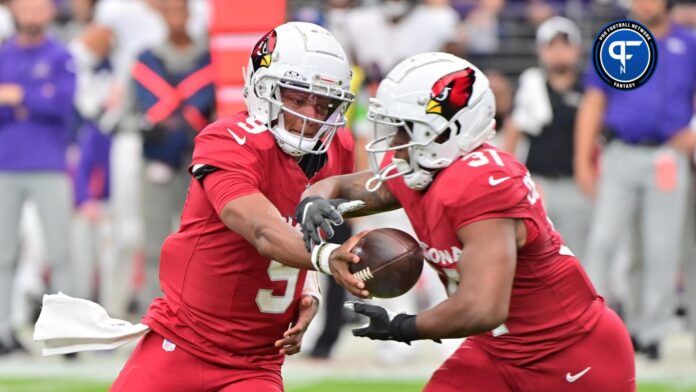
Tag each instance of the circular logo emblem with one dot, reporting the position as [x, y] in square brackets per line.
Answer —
[625, 54]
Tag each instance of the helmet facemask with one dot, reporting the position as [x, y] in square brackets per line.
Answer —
[393, 134]
[286, 99]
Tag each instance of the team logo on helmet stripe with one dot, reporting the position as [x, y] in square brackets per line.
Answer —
[451, 93]
[261, 55]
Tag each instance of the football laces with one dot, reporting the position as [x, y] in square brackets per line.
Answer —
[364, 274]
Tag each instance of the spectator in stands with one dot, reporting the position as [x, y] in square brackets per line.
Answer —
[546, 103]
[92, 244]
[537, 11]
[119, 32]
[481, 30]
[174, 97]
[644, 169]
[76, 18]
[381, 36]
[336, 18]
[684, 13]
[37, 84]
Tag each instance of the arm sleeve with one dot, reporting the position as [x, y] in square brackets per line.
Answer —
[53, 100]
[478, 200]
[239, 171]
[223, 186]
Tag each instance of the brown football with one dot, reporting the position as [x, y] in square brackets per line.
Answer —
[391, 261]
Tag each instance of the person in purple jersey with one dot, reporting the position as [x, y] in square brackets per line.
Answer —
[644, 171]
[37, 84]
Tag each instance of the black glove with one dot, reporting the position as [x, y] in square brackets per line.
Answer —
[384, 324]
[315, 212]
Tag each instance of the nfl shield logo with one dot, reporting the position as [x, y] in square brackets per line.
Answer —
[168, 345]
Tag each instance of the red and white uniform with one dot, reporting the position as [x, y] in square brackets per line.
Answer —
[553, 305]
[223, 302]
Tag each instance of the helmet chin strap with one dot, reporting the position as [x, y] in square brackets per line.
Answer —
[416, 179]
[383, 174]
[373, 183]
[419, 179]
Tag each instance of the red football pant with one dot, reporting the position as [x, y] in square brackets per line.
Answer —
[602, 361]
[151, 368]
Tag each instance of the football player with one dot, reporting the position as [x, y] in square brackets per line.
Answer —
[234, 275]
[534, 320]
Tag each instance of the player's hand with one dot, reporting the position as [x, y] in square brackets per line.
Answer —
[385, 324]
[92, 211]
[291, 343]
[586, 178]
[380, 320]
[340, 259]
[314, 213]
[684, 141]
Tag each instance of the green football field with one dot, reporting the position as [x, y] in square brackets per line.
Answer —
[70, 385]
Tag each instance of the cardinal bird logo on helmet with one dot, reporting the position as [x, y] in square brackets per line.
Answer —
[451, 93]
[261, 55]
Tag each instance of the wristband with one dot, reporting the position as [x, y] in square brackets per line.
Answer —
[320, 256]
[403, 328]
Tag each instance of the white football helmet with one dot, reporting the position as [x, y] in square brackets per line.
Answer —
[301, 57]
[436, 105]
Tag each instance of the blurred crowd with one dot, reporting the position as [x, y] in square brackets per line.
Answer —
[100, 101]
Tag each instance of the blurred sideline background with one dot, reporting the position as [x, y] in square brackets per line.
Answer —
[125, 163]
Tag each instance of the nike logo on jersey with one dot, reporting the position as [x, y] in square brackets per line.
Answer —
[497, 181]
[573, 378]
[240, 140]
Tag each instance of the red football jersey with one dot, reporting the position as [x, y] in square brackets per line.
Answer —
[223, 301]
[553, 303]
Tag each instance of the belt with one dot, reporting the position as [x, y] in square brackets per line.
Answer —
[611, 136]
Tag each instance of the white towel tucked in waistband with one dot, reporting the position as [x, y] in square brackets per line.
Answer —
[68, 325]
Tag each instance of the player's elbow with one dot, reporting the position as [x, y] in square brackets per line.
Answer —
[484, 317]
[263, 241]
[492, 318]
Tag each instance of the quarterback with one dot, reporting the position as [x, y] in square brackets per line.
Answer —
[235, 274]
[534, 320]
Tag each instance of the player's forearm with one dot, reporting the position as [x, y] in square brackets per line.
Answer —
[452, 319]
[511, 136]
[352, 187]
[261, 224]
[588, 125]
[281, 242]
[328, 188]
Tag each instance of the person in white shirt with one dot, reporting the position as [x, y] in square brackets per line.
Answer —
[382, 35]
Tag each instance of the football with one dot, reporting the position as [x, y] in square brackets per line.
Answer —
[391, 261]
